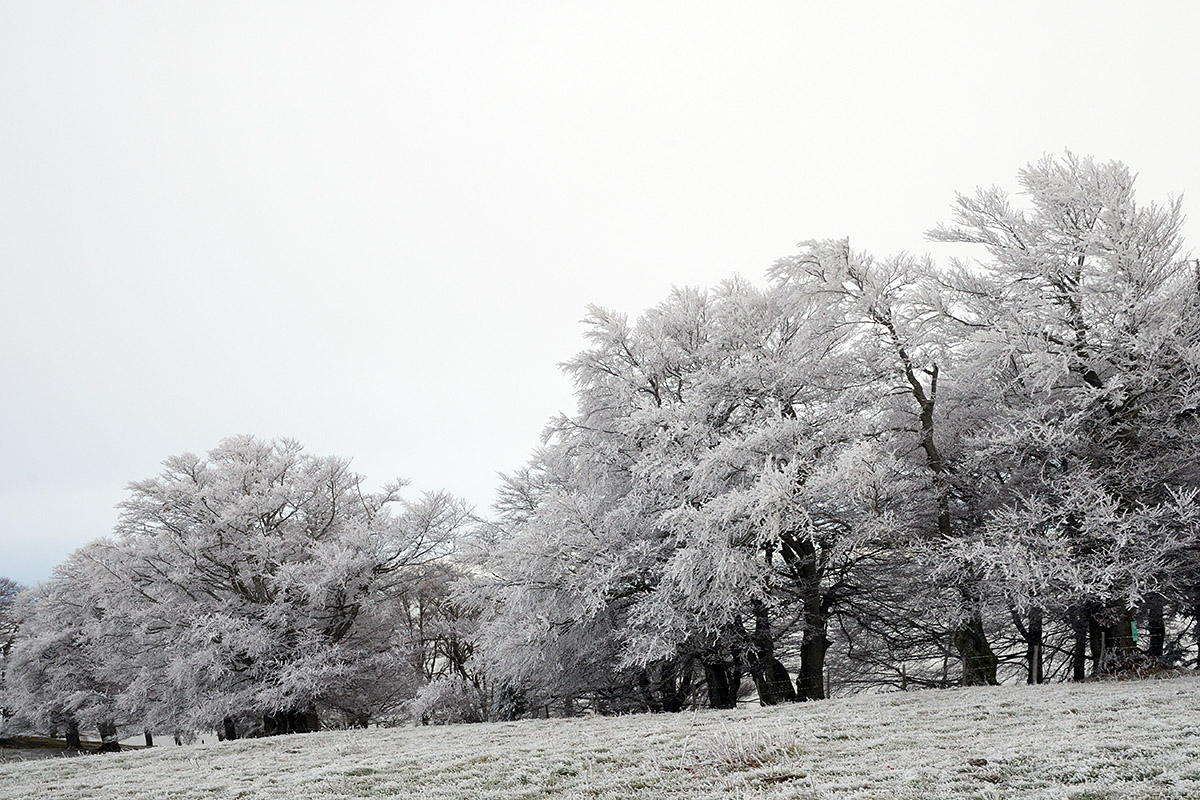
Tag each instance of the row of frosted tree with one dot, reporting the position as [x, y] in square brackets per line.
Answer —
[866, 473]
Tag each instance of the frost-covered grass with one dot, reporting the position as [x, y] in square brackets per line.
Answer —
[1088, 742]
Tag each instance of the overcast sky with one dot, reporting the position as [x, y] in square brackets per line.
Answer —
[374, 228]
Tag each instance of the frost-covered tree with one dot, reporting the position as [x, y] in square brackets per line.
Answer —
[75, 653]
[252, 587]
[1083, 319]
[9, 589]
[555, 578]
[9, 624]
[893, 313]
[264, 562]
[716, 495]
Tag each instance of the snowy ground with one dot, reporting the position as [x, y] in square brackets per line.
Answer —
[1090, 742]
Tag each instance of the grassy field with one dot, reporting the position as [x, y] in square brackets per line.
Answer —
[1137, 739]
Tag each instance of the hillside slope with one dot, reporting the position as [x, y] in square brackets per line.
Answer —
[1082, 742]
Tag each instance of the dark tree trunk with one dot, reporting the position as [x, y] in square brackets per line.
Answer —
[1112, 644]
[149, 738]
[724, 682]
[1120, 648]
[73, 742]
[511, 704]
[1033, 647]
[771, 678]
[1079, 623]
[108, 738]
[978, 661]
[810, 682]
[230, 729]
[675, 684]
[1156, 627]
[804, 560]
[1032, 635]
[1196, 616]
[777, 682]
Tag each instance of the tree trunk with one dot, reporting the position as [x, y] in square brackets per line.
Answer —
[777, 683]
[149, 738]
[1033, 647]
[1196, 616]
[73, 742]
[810, 682]
[978, 661]
[230, 729]
[771, 678]
[1120, 650]
[724, 682]
[1079, 623]
[108, 738]
[1098, 644]
[675, 685]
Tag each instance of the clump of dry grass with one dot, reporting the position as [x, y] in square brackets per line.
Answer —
[741, 747]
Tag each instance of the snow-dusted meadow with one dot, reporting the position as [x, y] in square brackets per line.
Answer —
[1076, 742]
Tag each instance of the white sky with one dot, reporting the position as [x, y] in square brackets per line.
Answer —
[374, 227]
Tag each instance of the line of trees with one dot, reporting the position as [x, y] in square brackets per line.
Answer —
[868, 472]
[937, 475]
